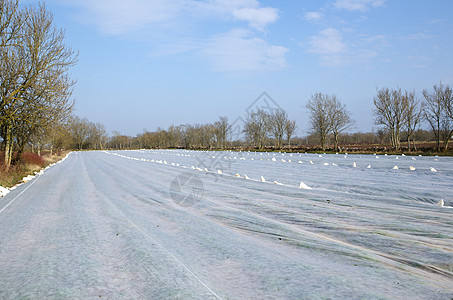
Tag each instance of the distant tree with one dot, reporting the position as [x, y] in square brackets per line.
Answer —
[119, 141]
[425, 135]
[339, 118]
[221, 131]
[382, 135]
[174, 136]
[290, 128]
[80, 131]
[204, 136]
[256, 127]
[277, 122]
[59, 137]
[414, 116]
[187, 135]
[101, 136]
[437, 111]
[320, 122]
[162, 138]
[391, 111]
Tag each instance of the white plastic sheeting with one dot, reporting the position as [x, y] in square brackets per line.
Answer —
[105, 224]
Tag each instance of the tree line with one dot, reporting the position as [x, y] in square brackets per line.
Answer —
[399, 116]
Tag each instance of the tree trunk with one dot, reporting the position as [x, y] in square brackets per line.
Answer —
[9, 145]
[335, 138]
[397, 141]
[323, 142]
[392, 139]
[445, 145]
[438, 136]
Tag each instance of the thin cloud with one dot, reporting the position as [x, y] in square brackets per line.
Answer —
[169, 27]
[238, 51]
[358, 5]
[312, 16]
[436, 21]
[329, 45]
[419, 36]
[117, 17]
[328, 41]
[258, 18]
[334, 50]
[250, 11]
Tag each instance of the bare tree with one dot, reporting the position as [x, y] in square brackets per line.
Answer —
[221, 131]
[187, 135]
[101, 136]
[207, 136]
[413, 116]
[391, 111]
[436, 109]
[448, 102]
[290, 127]
[11, 22]
[320, 122]
[35, 88]
[256, 127]
[119, 141]
[80, 131]
[277, 121]
[340, 119]
[174, 136]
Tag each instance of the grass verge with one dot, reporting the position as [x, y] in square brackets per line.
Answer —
[28, 164]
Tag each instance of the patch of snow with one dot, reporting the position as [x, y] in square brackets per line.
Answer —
[4, 191]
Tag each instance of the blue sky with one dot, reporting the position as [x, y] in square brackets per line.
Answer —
[145, 64]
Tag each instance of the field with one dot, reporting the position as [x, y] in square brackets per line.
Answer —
[230, 225]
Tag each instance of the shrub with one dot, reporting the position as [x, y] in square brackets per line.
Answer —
[32, 159]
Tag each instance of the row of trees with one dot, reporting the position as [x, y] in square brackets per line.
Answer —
[81, 134]
[260, 128]
[400, 111]
[206, 136]
[75, 133]
[329, 120]
[35, 88]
